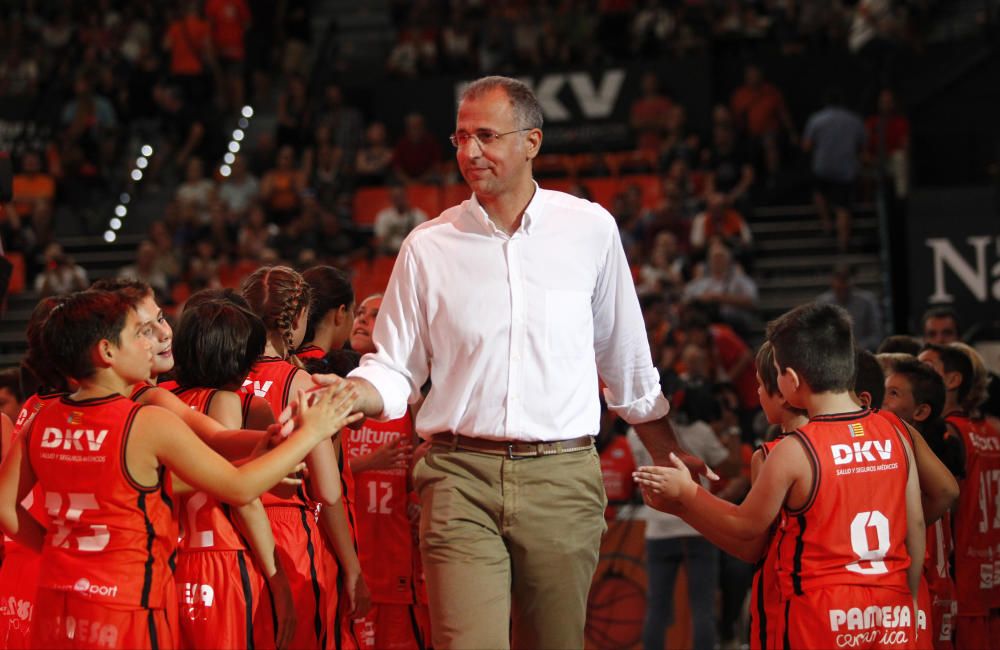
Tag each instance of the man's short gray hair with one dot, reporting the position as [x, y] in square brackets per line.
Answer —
[527, 110]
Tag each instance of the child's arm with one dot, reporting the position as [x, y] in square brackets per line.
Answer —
[225, 408]
[230, 443]
[938, 487]
[255, 526]
[16, 480]
[916, 533]
[665, 488]
[159, 437]
[324, 471]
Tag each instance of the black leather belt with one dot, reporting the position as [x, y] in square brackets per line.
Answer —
[512, 449]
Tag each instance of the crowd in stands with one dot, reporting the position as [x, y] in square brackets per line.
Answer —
[471, 37]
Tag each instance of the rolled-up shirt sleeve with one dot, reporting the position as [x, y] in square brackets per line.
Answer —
[399, 366]
[624, 363]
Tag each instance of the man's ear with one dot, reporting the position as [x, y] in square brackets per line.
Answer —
[534, 144]
[921, 413]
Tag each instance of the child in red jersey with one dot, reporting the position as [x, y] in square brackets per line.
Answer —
[765, 597]
[846, 490]
[976, 520]
[380, 454]
[19, 572]
[225, 553]
[915, 393]
[99, 459]
[280, 296]
[331, 311]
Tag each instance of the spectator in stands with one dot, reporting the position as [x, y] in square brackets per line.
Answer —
[282, 186]
[726, 286]
[718, 221]
[899, 344]
[61, 274]
[887, 145]
[373, 164]
[34, 192]
[648, 115]
[90, 121]
[457, 41]
[335, 245]
[329, 175]
[417, 153]
[145, 269]
[835, 137]
[196, 192]
[11, 394]
[228, 21]
[394, 223]
[295, 119]
[652, 27]
[678, 142]
[940, 326]
[203, 266]
[240, 189]
[192, 59]
[345, 121]
[18, 73]
[255, 235]
[859, 303]
[760, 111]
[183, 127]
[296, 27]
[664, 268]
[167, 261]
[728, 167]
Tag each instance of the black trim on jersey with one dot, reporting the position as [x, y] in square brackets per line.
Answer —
[309, 348]
[841, 417]
[417, 635]
[797, 558]
[139, 392]
[338, 627]
[247, 597]
[313, 578]
[129, 421]
[761, 614]
[147, 578]
[787, 642]
[814, 462]
[90, 401]
[154, 642]
[287, 389]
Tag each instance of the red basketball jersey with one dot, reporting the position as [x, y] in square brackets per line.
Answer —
[852, 530]
[310, 352]
[766, 605]
[977, 519]
[139, 389]
[271, 379]
[617, 466]
[168, 384]
[205, 522]
[380, 501]
[109, 539]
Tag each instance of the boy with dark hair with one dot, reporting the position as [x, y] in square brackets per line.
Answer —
[100, 459]
[977, 517]
[869, 380]
[845, 487]
[915, 394]
[940, 326]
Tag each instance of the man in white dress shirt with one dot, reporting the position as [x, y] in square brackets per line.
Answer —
[512, 304]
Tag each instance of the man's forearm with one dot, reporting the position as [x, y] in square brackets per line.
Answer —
[369, 400]
[659, 439]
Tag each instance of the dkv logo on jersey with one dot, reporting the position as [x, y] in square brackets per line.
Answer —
[259, 388]
[73, 439]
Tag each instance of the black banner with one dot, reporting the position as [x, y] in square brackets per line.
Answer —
[585, 110]
[954, 253]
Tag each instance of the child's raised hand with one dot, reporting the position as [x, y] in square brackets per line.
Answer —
[328, 410]
[665, 488]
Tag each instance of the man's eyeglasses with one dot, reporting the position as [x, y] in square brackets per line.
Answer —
[484, 137]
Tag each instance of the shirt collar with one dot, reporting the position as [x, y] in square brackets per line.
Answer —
[531, 214]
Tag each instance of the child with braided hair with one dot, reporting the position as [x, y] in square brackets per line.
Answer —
[281, 297]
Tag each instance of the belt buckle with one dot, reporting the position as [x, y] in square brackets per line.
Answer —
[512, 455]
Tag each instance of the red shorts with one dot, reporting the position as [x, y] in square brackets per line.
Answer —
[841, 616]
[977, 632]
[62, 619]
[767, 610]
[944, 609]
[18, 580]
[222, 601]
[389, 627]
[300, 549]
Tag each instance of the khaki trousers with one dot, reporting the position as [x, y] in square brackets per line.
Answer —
[509, 547]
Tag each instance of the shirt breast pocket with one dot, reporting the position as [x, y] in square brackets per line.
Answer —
[569, 326]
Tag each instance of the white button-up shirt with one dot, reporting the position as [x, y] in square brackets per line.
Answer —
[514, 330]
